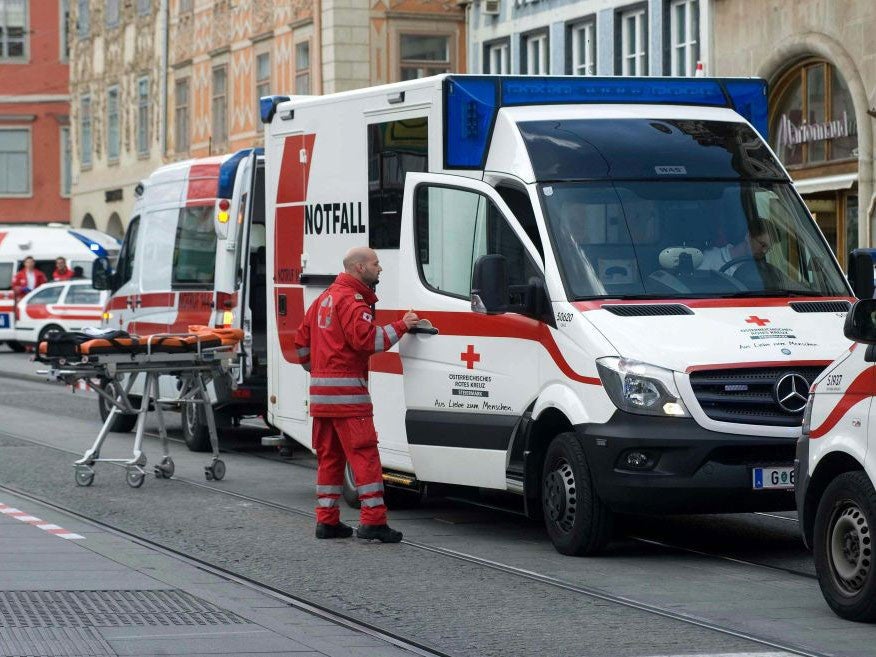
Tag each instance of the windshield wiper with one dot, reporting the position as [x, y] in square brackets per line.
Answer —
[772, 294]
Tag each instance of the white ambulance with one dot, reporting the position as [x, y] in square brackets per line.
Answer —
[193, 253]
[80, 246]
[617, 280]
[836, 500]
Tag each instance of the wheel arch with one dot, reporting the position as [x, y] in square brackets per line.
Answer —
[829, 468]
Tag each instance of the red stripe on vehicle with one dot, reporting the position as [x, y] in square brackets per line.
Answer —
[763, 363]
[862, 387]
[203, 182]
[497, 326]
[287, 325]
[2, 236]
[767, 302]
[387, 362]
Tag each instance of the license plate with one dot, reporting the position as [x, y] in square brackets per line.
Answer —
[771, 478]
[4, 320]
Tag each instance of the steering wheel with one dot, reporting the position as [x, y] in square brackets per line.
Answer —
[750, 270]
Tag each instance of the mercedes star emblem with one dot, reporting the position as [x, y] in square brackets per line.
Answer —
[791, 392]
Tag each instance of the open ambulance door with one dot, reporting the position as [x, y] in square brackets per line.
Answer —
[469, 378]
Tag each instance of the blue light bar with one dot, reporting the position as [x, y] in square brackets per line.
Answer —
[472, 102]
[95, 247]
[268, 106]
[228, 171]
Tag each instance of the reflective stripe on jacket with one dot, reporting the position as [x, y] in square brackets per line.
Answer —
[335, 340]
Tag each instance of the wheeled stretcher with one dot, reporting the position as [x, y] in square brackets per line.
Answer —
[110, 367]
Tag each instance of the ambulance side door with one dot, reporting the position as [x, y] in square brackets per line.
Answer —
[124, 299]
[469, 379]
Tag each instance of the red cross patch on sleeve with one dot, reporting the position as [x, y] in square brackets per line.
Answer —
[367, 317]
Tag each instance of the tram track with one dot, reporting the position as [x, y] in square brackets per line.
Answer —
[505, 568]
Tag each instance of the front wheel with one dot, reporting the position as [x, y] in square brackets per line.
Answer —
[843, 546]
[122, 422]
[577, 521]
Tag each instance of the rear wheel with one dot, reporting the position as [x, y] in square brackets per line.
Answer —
[49, 330]
[122, 422]
[195, 430]
[16, 346]
[577, 521]
[843, 546]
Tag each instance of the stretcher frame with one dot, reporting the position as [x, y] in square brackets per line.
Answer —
[106, 371]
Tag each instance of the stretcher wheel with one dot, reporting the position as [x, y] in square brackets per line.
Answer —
[216, 470]
[165, 469]
[84, 475]
[134, 477]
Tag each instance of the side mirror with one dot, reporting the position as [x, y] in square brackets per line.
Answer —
[862, 272]
[860, 323]
[101, 274]
[489, 285]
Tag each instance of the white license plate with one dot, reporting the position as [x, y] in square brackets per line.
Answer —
[766, 478]
[4, 320]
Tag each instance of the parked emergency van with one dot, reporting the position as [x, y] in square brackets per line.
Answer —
[193, 254]
[80, 247]
[836, 500]
[616, 278]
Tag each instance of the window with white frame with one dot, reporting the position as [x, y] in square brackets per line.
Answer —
[85, 131]
[684, 34]
[63, 32]
[14, 161]
[535, 51]
[584, 48]
[497, 58]
[302, 68]
[112, 124]
[634, 48]
[13, 29]
[112, 13]
[83, 18]
[143, 116]
[219, 107]
[423, 55]
[262, 75]
[66, 162]
[181, 115]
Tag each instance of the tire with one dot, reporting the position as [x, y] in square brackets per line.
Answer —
[47, 331]
[16, 346]
[577, 521]
[843, 546]
[122, 422]
[196, 433]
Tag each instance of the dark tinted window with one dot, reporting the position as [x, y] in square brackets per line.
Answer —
[126, 255]
[394, 149]
[194, 253]
[646, 149]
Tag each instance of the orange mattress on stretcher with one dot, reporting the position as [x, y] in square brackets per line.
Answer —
[200, 337]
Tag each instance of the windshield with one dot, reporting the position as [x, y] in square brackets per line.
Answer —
[687, 238]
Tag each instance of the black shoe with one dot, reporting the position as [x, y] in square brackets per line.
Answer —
[381, 533]
[333, 531]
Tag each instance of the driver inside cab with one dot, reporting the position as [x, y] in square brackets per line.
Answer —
[755, 245]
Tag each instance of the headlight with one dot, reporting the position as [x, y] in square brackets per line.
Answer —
[807, 413]
[640, 388]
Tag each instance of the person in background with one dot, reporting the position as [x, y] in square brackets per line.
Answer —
[78, 272]
[755, 245]
[62, 271]
[334, 342]
[27, 278]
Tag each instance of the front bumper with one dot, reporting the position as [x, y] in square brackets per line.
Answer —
[696, 470]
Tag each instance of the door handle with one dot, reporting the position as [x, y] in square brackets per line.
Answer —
[424, 330]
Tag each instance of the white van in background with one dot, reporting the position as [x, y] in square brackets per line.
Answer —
[79, 246]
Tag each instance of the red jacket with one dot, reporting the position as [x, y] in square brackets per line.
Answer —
[19, 282]
[58, 276]
[334, 342]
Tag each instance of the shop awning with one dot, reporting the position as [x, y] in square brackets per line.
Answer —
[826, 183]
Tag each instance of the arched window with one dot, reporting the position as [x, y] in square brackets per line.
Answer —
[114, 226]
[812, 118]
[88, 221]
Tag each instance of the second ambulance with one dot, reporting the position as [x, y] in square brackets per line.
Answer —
[624, 299]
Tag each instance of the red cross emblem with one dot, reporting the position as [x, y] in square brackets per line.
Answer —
[754, 319]
[324, 314]
[470, 357]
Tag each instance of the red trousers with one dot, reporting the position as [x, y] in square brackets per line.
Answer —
[336, 441]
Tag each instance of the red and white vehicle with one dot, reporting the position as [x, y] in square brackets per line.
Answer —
[80, 246]
[553, 233]
[55, 307]
[193, 253]
[836, 499]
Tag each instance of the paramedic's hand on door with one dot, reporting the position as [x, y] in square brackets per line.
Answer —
[410, 319]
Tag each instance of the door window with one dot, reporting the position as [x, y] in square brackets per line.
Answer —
[45, 297]
[454, 227]
[194, 252]
[126, 255]
[83, 294]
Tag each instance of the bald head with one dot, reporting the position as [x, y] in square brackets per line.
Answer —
[361, 263]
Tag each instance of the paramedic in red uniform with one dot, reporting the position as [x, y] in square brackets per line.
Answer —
[334, 342]
[62, 271]
[27, 278]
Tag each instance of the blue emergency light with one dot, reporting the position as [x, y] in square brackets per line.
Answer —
[472, 102]
[228, 171]
[268, 106]
[95, 247]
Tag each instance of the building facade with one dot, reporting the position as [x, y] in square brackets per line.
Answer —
[211, 60]
[821, 67]
[588, 37]
[35, 176]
